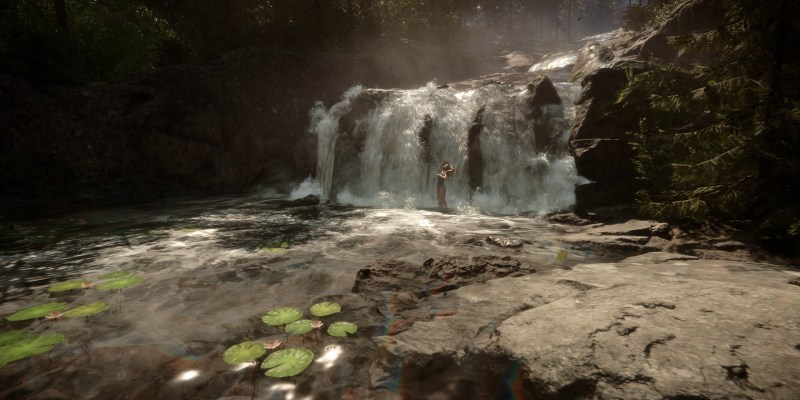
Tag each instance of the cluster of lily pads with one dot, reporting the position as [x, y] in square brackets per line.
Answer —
[18, 344]
[292, 361]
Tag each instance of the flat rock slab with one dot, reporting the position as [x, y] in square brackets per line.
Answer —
[655, 326]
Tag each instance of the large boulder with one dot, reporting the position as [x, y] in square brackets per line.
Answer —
[604, 159]
[599, 138]
[691, 17]
[544, 108]
[654, 326]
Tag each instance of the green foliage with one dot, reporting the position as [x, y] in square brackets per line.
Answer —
[13, 336]
[722, 141]
[36, 311]
[108, 40]
[120, 283]
[282, 316]
[115, 275]
[243, 352]
[639, 17]
[300, 327]
[29, 347]
[324, 309]
[87, 310]
[104, 40]
[65, 286]
[341, 329]
[287, 362]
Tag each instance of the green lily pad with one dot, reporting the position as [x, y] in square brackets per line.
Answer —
[29, 347]
[9, 337]
[115, 275]
[324, 309]
[64, 286]
[341, 329]
[287, 362]
[243, 352]
[36, 311]
[300, 327]
[120, 283]
[87, 310]
[282, 316]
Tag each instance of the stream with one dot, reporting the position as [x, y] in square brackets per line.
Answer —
[211, 267]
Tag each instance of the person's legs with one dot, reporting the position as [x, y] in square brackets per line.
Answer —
[444, 198]
[440, 198]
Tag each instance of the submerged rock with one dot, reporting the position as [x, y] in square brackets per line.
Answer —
[503, 242]
[435, 275]
[310, 200]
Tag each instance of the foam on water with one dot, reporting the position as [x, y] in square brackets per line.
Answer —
[394, 172]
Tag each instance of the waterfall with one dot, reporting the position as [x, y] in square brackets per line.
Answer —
[388, 155]
[325, 124]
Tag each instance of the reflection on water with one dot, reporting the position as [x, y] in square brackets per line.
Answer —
[211, 268]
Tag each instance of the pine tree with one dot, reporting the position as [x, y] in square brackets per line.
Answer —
[722, 141]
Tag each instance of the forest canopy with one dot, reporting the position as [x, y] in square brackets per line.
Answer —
[77, 41]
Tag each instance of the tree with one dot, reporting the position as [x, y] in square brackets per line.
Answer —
[722, 141]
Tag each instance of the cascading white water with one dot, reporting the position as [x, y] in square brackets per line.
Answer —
[325, 124]
[393, 172]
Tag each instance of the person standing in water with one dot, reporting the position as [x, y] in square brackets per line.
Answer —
[441, 192]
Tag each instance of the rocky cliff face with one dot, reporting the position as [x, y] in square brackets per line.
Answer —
[220, 127]
[599, 142]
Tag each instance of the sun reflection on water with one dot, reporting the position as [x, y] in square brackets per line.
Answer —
[332, 353]
[188, 375]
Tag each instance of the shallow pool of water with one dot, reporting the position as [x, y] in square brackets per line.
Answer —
[211, 268]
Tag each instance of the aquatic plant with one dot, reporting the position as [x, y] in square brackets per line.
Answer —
[16, 335]
[120, 282]
[287, 362]
[282, 316]
[291, 361]
[54, 315]
[342, 329]
[36, 311]
[65, 286]
[243, 352]
[29, 347]
[87, 310]
[561, 255]
[300, 327]
[324, 309]
[115, 275]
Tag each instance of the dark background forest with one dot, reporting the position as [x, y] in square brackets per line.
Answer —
[715, 139]
[77, 41]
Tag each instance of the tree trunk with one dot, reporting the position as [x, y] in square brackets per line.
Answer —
[60, 8]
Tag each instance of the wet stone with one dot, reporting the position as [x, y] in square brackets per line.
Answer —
[503, 242]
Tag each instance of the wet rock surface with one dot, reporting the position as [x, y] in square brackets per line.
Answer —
[599, 141]
[435, 275]
[658, 325]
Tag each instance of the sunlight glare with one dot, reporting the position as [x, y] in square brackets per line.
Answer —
[244, 365]
[330, 356]
[284, 387]
[188, 375]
